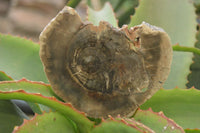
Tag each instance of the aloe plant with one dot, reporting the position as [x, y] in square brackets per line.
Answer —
[172, 109]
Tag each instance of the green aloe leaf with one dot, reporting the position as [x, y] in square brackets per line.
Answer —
[52, 122]
[178, 19]
[10, 114]
[84, 125]
[73, 3]
[194, 76]
[131, 123]
[19, 58]
[181, 105]
[30, 87]
[157, 121]
[114, 127]
[105, 14]
[143, 121]
[149, 121]
[4, 76]
[192, 130]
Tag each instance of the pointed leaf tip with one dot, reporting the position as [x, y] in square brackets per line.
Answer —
[4, 76]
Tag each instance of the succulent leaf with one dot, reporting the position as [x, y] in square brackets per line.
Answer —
[157, 121]
[47, 123]
[10, 116]
[4, 76]
[79, 118]
[181, 105]
[19, 58]
[30, 87]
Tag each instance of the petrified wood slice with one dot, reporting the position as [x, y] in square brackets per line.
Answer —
[103, 70]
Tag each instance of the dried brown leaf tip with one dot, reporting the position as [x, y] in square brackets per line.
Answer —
[103, 70]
